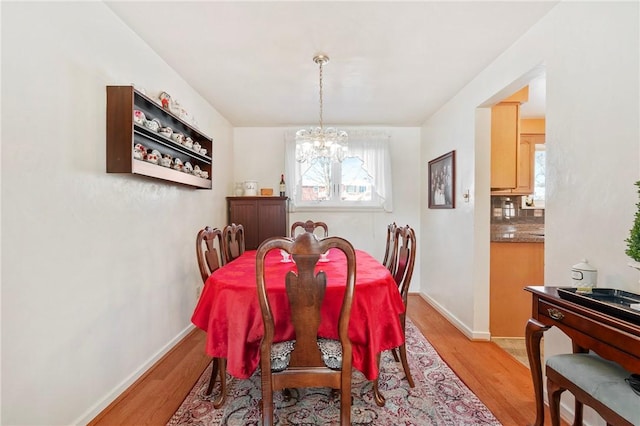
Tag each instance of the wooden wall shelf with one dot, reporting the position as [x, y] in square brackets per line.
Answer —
[123, 134]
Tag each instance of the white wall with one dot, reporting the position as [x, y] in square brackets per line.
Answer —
[591, 54]
[259, 155]
[98, 275]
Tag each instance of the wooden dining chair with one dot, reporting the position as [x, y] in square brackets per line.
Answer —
[309, 226]
[232, 242]
[390, 252]
[403, 271]
[207, 254]
[307, 361]
[208, 262]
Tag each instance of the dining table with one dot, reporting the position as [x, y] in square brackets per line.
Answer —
[229, 312]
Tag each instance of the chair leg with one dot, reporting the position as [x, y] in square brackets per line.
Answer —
[577, 418]
[267, 403]
[286, 394]
[345, 406]
[554, 392]
[214, 373]
[222, 396]
[394, 352]
[405, 364]
[377, 396]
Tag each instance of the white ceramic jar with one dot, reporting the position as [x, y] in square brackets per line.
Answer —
[584, 276]
[250, 188]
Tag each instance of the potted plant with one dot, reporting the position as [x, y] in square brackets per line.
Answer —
[633, 241]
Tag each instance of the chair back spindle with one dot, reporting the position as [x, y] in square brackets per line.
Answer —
[306, 363]
[390, 252]
[233, 242]
[207, 254]
[309, 226]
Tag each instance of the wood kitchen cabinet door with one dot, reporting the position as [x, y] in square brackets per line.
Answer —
[514, 266]
[261, 217]
[505, 137]
[524, 181]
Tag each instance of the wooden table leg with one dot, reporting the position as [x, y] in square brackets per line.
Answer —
[533, 334]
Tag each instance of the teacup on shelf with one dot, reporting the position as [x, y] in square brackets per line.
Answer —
[165, 100]
[196, 147]
[203, 151]
[139, 117]
[153, 124]
[204, 174]
[177, 164]
[178, 137]
[166, 160]
[188, 142]
[188, 168]
[153, 157]
[140, 147]
[166, 132]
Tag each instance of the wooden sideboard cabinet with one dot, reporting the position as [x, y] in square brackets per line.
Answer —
[261, 217]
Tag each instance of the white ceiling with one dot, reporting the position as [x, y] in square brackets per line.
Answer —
[392, 63]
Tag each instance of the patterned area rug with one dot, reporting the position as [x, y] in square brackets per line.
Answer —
[439, 397]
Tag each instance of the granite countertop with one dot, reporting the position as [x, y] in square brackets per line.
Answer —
[517, 232]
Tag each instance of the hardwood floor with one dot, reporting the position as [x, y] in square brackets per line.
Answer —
[155, 396]
[501, 382]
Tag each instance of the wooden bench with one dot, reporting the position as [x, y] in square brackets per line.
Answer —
[593, 381]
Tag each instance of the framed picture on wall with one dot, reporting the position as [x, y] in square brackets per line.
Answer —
[442, 182]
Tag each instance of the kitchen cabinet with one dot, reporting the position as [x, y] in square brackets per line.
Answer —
[514, 266]
[505, 139]
[261, 217]
[526, 163]
[526, 154]
[525, 166]
[124, 133]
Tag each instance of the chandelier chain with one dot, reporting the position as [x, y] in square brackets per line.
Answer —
[317, 143]
[321, 67]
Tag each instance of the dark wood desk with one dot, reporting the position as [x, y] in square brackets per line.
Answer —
[588, 329]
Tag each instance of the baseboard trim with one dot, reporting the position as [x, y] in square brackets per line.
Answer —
[125, 387]
[473, 335]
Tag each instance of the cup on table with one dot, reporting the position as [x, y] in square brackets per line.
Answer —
[324, 257]
[286, 257]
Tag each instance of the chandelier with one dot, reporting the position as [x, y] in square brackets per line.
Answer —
[318, 143]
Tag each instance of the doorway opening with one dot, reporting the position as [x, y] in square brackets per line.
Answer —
[517, 213]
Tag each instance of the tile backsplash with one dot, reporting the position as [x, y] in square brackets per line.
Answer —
[509, 209]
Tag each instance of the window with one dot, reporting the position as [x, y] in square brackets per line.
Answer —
[539, 175]
[362, 180]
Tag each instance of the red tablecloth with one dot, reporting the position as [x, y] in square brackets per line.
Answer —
[229, 312]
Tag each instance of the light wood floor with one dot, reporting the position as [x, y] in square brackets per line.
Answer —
[515, 347]
[501, 382]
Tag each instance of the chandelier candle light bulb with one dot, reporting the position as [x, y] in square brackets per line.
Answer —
[318, 142]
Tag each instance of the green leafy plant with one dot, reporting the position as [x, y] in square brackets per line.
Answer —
[633, 242]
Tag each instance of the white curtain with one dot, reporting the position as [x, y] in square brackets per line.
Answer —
[372, 146]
